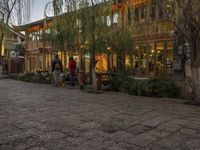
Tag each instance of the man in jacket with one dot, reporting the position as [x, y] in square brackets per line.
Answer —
[72, 69]
[57, 69]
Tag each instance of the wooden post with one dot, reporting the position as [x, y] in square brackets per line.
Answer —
[81, 58]
[65, 63]
[108, 62]
[26, 50]
[84, 71]
[147, 59]
[43, 60]
[155, 59]
[139, 58]
[165, 58]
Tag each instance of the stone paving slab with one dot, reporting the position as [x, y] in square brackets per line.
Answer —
[43, 117]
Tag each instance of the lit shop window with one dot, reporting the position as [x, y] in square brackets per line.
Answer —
[108, 21]
[115, 18]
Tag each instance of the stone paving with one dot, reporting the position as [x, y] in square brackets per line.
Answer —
[42, 117]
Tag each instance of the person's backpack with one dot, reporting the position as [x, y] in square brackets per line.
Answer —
[57, 66]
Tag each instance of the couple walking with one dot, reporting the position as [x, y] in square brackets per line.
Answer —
[57, 69]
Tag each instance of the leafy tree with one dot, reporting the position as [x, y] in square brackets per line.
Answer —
[185, 14]
[88, 23]
[9, 9]
[84, 22]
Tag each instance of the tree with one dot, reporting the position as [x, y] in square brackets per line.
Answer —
[185, 14]
[8, 9]
[85, 21]
[91, 22]
[123, 44]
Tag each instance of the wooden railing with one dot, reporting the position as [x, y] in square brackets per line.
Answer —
[37, 45]
[152, 28]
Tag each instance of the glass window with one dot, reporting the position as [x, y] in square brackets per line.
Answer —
[170, 9]
[78, 22]
[33, 36]
[143, 12]
[129, 16]
[108, 21]
[47, 31]
[136, 12]
[170, 51]
[115, 18]
[161, 15]
[30, 37]
[96, 20]
[152, 12]
[40, 34]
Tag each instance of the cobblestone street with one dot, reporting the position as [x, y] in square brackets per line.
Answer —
[42, 117]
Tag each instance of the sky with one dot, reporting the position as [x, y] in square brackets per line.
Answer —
[37, 11]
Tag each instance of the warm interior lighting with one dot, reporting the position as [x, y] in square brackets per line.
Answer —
[108, 48]
[3, 48]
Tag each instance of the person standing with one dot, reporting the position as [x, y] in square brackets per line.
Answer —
[57, 69]
[81, 79]
[72, 69]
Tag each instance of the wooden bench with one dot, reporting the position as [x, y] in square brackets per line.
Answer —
[104, 79]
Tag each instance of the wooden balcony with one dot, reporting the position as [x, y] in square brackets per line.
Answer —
[152, 28]
[153, 31]
[35, 45]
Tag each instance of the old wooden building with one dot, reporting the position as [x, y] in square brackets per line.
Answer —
[153, 33]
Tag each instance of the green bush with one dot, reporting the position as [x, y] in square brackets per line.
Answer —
[155, 87]
[133, 90]
[35, 77]
[161, 87]
[126, 84]
[28, 77]
[115, 84]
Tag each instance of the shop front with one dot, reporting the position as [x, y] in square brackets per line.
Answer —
[41, 59]
[151, 59]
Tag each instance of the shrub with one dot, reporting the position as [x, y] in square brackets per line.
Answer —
[161, 87]
[28, 77]
[155, 87]
[133, 89]
[126, 84]
[115, 84]
[35, 77]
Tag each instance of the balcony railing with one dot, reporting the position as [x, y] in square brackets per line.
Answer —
[152, 28]
[37, 45]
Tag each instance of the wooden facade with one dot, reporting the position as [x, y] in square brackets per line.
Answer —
[153, 37]
[153, 42]
[12, 52]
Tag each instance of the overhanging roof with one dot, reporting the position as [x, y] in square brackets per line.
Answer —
[39, 22]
